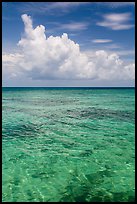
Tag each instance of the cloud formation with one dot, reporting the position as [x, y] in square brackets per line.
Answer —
[74, 26]
[52, 8]
[57, 57]
[116, 21]
[117, 4]
[63, 5]
[101, 41]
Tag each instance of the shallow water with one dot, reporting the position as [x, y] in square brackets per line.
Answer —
[68, 144]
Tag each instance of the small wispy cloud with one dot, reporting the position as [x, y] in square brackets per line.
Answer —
[73, 34]
[116, 21]
[65, 4]
[101, 41]
[74, 26]
[50, 7]
[70, 26]
[116, 4]
[113, 46]
[119, 4]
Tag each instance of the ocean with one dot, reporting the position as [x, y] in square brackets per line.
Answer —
[68, 144]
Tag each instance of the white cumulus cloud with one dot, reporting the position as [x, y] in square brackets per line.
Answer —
[60, 58]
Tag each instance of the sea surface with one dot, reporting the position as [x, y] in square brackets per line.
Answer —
[68, 144]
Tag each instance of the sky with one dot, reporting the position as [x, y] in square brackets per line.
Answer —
[79, 44]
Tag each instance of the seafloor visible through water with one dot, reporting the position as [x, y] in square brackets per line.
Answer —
[68, 144]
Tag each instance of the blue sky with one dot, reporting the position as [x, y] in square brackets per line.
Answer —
[102, 30]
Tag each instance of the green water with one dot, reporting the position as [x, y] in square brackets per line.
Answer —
[68, 144]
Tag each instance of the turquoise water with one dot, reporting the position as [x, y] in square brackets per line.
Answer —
[68, 144]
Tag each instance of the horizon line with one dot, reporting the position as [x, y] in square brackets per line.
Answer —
[68, 86]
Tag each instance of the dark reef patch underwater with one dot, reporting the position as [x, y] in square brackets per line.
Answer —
[68, 145]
